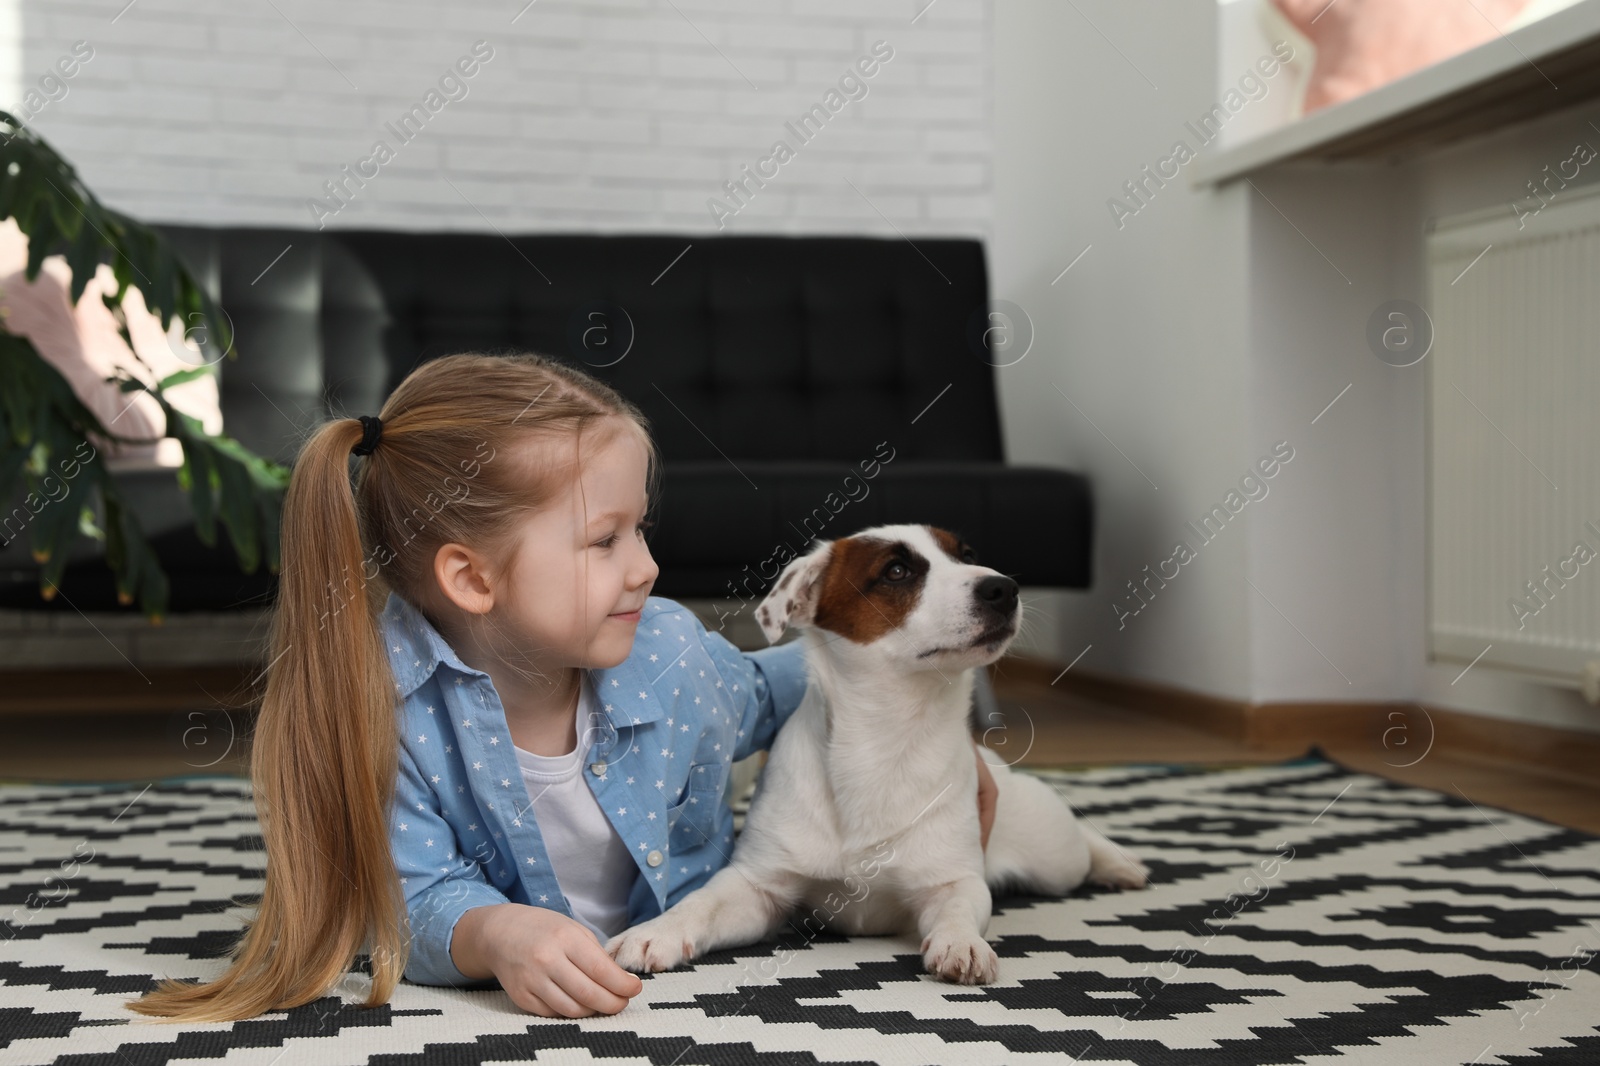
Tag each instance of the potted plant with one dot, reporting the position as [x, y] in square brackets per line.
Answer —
[45, 429]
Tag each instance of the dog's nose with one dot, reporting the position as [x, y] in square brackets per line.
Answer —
[999, 594]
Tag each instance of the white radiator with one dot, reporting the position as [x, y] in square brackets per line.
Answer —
[1514, 449]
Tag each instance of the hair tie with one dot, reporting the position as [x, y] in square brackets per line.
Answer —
[371, 430]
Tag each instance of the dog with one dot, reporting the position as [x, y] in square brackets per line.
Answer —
[878, 756]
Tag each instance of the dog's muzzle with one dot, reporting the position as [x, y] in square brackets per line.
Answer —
[997, 599]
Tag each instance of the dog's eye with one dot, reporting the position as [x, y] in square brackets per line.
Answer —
[968, 555]
[896, 572]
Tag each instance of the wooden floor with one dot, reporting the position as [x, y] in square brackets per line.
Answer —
[54, 737]
[1074, 731]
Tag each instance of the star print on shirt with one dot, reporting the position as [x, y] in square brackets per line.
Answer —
[622, 810]
[404, 828]
[532, 861]
[654, 656]
[436, 779]
[494, 740]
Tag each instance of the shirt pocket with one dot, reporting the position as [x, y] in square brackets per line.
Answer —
[692, 822]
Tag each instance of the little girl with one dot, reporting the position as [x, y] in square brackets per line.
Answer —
[484, 748]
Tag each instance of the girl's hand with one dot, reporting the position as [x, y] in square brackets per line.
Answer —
[988, 793]
[549, 964]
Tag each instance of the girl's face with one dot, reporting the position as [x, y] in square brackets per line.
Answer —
[581, 568]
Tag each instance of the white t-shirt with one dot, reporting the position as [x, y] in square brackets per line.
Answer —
[592, 864]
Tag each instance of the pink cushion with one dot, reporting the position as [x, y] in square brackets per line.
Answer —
[1362, 44]
[82, 342]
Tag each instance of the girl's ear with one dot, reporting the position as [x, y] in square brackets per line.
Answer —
[793, 599]
[462, 578]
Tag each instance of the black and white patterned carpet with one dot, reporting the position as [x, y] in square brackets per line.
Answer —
[1299, 913]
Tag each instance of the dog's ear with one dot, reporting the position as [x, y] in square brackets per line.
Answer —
[793, 599]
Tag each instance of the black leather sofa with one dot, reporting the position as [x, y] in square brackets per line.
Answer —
[770, 368]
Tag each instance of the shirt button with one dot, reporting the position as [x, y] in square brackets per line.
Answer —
[654, 858]
[598, 767]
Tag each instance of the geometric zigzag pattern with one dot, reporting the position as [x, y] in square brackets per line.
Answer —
[1297, 913]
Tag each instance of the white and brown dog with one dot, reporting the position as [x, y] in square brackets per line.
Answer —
[864, 816]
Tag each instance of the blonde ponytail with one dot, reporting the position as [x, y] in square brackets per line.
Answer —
[323, 762]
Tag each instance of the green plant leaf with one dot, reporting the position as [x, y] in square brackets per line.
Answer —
[41, 417]
[87, 526]
[179, 377]
[83, 257]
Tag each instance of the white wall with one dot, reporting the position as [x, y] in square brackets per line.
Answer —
[619, 115]
[1146, 334]
[1215, 322]
[1338, 553]
[1349, 551]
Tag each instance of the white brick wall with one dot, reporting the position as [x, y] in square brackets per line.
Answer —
[609, 115]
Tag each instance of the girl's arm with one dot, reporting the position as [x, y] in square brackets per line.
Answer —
[465, 932]
[438, 890]
[765, 686]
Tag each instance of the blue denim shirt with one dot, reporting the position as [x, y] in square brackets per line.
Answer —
[677, 713]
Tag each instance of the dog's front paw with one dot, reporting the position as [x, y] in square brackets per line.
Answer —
[968, 960]
[650, 947]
